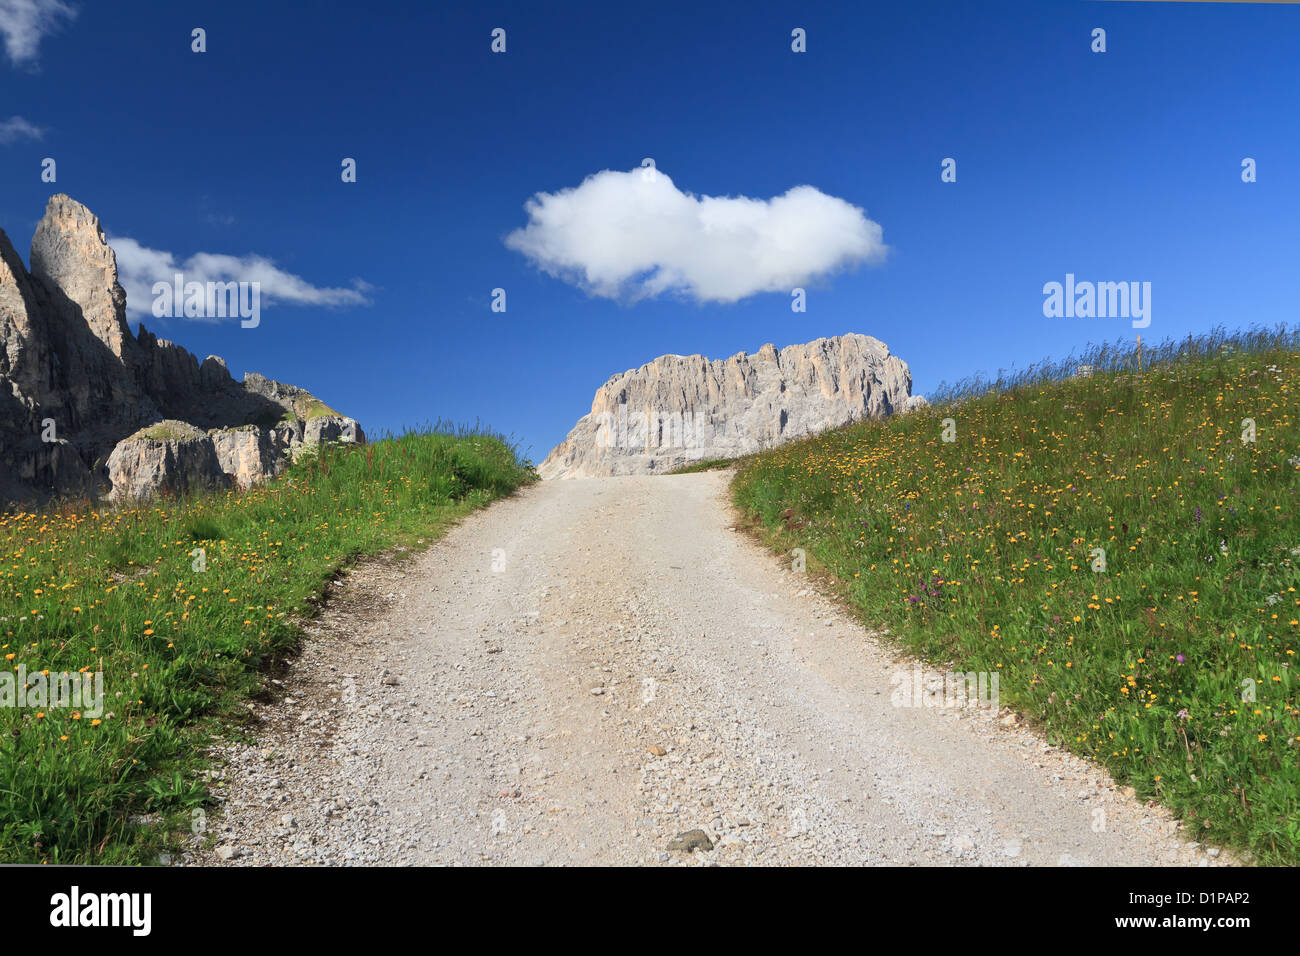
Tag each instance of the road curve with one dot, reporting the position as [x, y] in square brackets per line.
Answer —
[580, 673]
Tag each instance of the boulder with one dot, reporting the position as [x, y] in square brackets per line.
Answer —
[331, 428]
[247, 455]
[169, 457]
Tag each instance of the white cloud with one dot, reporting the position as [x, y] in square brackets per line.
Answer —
[25, 22]
[16, 128]
[634, 234]
[139, 267]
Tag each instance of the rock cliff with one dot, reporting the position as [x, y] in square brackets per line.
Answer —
[89, 409]
[680, 409]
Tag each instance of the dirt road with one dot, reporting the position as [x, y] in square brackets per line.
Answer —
[634, 668]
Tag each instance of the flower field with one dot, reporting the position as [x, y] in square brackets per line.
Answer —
[1121, 547]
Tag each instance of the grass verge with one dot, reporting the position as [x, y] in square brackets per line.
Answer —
[181, 605]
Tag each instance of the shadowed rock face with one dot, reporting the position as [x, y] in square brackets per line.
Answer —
[681, 409]
[87, 408]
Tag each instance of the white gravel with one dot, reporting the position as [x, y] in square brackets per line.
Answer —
[638, 669]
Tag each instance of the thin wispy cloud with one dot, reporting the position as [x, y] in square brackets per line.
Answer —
[24, 23]
[632, 235]
[140, 267]
[15, 129]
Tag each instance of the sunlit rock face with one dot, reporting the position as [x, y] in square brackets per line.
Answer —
[680, 409]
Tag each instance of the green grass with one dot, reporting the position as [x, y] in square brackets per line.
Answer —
[314, 408]
[711, 464]
[170, 431]
[983, 552]
[182, 637]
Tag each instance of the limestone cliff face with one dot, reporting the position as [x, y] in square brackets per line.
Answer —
[75, 384]
[74, 262]
[20, 336]
[680, 409]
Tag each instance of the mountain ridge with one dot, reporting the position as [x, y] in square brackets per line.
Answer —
[76, 385]
[679, 409]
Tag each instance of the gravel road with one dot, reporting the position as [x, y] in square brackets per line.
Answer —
[634, 668]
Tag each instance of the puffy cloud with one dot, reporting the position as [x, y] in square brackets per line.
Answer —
[16, 128]
[25, 22]
[635, 235]
[139, 267]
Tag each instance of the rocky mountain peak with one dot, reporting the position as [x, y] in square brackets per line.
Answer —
[88, 408]
[680, 409]
[72, 259]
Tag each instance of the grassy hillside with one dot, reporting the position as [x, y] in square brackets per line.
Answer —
[1175, 665]
[182, 605]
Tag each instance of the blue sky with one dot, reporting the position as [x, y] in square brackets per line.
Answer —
[1122, 166]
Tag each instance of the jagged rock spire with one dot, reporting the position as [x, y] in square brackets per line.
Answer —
[75, 263]
[80, 396]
